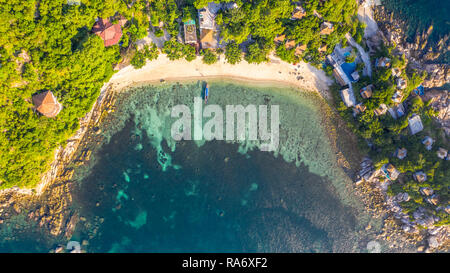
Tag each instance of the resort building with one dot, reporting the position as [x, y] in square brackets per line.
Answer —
[366, 92]
[415, 124]
[338, 76]
[359, 108]
[110, 33]
[401, 153]
[401, 83]
[381, 110]
[290, 44]
[298, 13]
[348, 97]
[46, 104]
[428, 142]
[190, 32]
[383, 62]
[343, 72]
[326, 28]
[300, 49]
[390, 171]
[207, 24]
[279, 38]
[397, 111]
[442, 153]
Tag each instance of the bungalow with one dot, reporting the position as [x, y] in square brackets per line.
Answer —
[110, 33]
[366, 92]
[322, 48]
[381, 110]
[207, 38]
[401, 153]
[300, 49]
[289, 44]
[397, 97]
[390, 171]
[442, 153]
[326, 28]
[396, 72]
[279, 38]
[46, 104]
[433, 200]
[383, 62]
[428, 142]
[401, 83]
[298, 13]
[207, 24]
[426, 191]
[190, 32]
[348, 97]
[415, 124]
[359, 108]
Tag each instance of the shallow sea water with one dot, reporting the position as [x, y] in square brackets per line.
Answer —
[149, 193]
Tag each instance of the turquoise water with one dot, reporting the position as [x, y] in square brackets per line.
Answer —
[149, 193]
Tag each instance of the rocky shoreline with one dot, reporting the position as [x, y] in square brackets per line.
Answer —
[398, 228]
[48, 207]
[423, 56]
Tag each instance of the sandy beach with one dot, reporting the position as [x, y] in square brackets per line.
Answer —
[301, 75]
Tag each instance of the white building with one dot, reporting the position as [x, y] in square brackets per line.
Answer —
[348, 97]
[415, 124]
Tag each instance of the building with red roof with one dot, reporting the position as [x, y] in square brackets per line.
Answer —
[110, 33]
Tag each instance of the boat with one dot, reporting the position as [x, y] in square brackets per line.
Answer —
[206, 93]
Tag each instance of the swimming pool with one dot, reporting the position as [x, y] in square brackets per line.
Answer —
[349, 68]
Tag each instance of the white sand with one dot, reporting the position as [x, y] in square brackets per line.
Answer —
[302, 75]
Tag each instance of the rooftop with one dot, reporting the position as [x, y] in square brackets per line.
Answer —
[110, 33]
[366, 92]
[401, 153]
[46, 104]
[190, 32]
[298, 13]
[381, 110]
[348, 97]
[326, 28]
[415, 124]
[442, 153]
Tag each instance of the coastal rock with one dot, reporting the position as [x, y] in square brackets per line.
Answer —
[440, 101]
[433, 242]
[421, 54]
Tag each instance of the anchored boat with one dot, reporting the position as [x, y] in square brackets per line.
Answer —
[206, 93]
